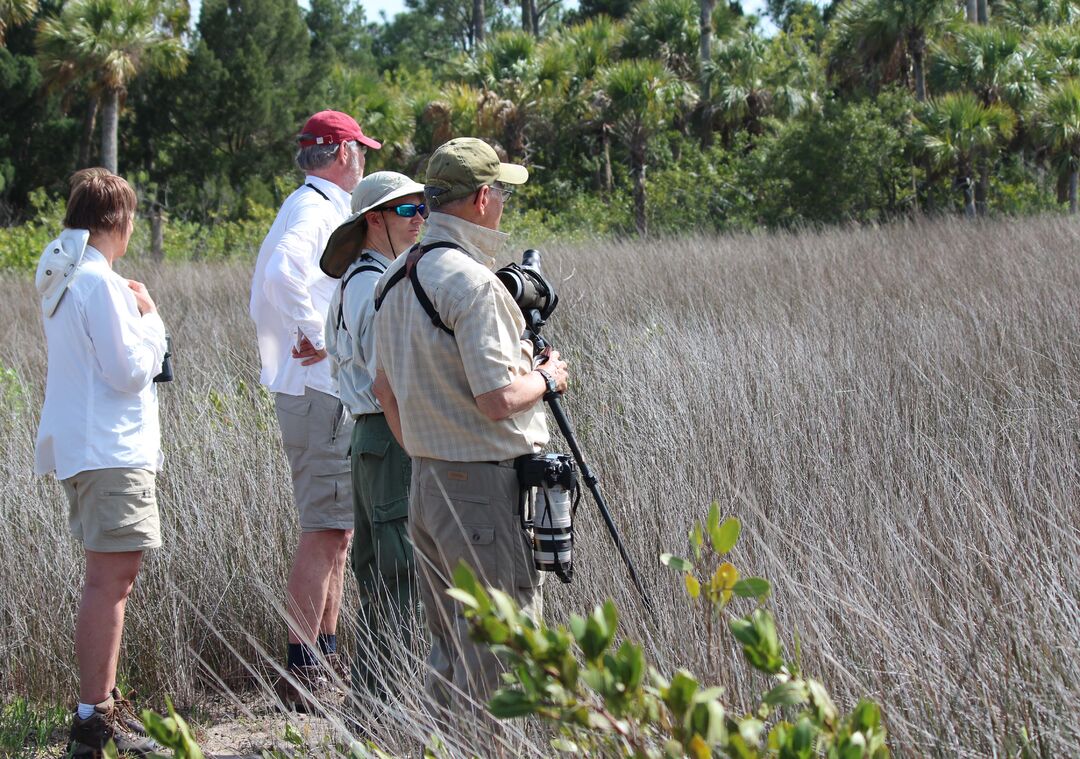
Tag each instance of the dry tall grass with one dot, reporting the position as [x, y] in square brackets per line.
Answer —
[892, 413]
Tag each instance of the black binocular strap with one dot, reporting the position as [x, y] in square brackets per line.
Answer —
[409, 270]
[316, 189]
[345, 282]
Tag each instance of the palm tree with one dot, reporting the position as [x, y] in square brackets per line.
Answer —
[506, 68]
[954, 131]
[889, 36]
[1058, 125]
[113, 41]
[640, 96]
[998, 65]
[15, 12]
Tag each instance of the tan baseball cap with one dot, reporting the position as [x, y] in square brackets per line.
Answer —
[373, 191]
[462, 166]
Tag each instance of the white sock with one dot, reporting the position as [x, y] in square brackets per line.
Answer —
[85, 710]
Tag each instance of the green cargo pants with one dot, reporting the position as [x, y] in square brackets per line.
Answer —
[382, 554]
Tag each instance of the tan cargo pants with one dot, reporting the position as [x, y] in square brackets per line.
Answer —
[466, 512]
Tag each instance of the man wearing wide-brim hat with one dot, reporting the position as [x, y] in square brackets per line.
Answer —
[388, 209]
[457, 384]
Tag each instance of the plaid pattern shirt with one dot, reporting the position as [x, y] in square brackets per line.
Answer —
[435, 376]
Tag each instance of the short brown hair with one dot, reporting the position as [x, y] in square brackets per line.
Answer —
[100, 201]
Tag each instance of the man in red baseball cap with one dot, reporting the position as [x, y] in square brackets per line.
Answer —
[290, 296]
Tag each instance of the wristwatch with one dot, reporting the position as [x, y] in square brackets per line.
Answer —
[549, 381]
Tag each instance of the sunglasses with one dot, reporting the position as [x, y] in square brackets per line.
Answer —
[408, 210]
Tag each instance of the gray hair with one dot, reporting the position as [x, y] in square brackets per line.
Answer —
[316, 157]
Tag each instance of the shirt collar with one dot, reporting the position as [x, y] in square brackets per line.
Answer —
[376, 256]
[337, 196]
[93, 254]
[479, 242]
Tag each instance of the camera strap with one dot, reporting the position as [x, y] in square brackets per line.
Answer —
[373, 266]
[409, 270]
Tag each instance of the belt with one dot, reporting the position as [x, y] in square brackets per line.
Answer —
[358, 417]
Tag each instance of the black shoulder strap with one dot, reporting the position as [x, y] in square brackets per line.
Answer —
[409, 270]
[316, 189]
[373, 266]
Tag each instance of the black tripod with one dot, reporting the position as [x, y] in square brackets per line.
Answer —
[554, 401]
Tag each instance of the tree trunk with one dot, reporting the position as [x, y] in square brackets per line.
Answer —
[157, 232]
[982, 189]
[535, 18]
[704, 57]
[110, 125]
[972, 11]
[608, 180]
[969, 195]
[918, 54]
[478, 21]
[637, 169]
[1074, 180]
[526, 16]
[89, 122]
[983, 12]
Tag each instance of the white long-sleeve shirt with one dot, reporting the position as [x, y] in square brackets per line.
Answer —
[101, 408]
[290, 294]
[351, 343]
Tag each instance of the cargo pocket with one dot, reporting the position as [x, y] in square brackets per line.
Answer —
[125, 509]
[393, 549]
[481, 551]
[292, 412]
[330, 502]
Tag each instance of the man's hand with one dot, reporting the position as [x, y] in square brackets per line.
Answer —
[556, 367]
[307, 352]
[142, 297]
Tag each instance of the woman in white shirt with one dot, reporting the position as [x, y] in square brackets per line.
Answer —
[99, 435]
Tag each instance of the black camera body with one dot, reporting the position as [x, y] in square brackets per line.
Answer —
[550, 494]
[166, 374]
[530, 289]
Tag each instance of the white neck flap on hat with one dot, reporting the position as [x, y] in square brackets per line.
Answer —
[58, 266]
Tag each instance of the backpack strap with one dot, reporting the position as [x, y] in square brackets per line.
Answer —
[316, 189]
[373, 266]
[409, 270]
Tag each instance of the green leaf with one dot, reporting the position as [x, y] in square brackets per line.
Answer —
[786, 694]
[752, 587]
[724, 537]
[292, 735]
[675, 562]
[564, 745]
[507, 704]
[697, 540]
[464, 597]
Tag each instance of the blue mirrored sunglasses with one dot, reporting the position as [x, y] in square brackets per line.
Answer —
[408, 210]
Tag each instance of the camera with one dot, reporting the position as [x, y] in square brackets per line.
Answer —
[166, 375]
[530, 289]
[547, 513]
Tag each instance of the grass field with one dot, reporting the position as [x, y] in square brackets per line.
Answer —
[893, 413]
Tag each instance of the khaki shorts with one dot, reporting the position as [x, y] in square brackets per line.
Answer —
[316, 431]
[113, 510]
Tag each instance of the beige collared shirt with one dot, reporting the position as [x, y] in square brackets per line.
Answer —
[435, 376]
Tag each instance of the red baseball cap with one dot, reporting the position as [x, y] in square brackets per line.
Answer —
[330, 127]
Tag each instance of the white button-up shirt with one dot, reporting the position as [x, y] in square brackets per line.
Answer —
[101, 408]
[290, 294]
[350, 340]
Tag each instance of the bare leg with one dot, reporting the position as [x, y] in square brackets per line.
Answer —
[100, 624]
[328, 625]
[316, 560]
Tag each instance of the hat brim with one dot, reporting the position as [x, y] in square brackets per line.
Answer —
[512, 173]
[412, 188]
[343, 246]
[365, 140]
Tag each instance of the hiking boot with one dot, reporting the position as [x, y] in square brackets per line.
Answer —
[339, 667]
[128, 715]
[305, 690]
[89, 736]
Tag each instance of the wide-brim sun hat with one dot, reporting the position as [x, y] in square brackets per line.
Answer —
[57, 267]
[373, 191]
